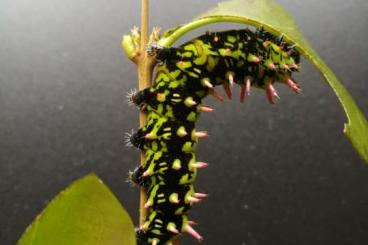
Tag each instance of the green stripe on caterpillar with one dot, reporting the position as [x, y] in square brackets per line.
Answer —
[185, 76]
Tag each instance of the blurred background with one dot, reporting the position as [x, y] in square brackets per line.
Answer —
[282, 174]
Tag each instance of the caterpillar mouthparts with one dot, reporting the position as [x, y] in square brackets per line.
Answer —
[185, 76]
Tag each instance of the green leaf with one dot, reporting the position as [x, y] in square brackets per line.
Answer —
[275, 19]
[85, 213]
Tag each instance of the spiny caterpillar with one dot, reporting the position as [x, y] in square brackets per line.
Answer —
[185, 75]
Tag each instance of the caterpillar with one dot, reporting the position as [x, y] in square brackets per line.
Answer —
[185, 76]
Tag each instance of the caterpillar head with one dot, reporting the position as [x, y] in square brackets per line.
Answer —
[160, 53]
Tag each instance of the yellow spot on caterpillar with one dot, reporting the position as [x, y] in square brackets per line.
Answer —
[145, 226]
[154, 146]
[175, 100]
[192, 117]
[179, 211]
[266, 44]
[176, 164]
[169, 111]
[161, 201]
[202, 54]
[175, 74]
[201, 60]
[172, 227]
[231, 39]
[225, 52]
[189, 102]
[174, 84]
[211, 63]
[191, 47]
[149, 171]
[186, 179]
[162, 170]
[197, 70]
[157, 232]
[162, 77]
[153, 194]
[181, 132]
[188, 147]
[161, 97]
[275, 48]
[160, 108]
[174, 198]
[187, 54]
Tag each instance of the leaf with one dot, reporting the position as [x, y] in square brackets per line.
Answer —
[275, 19]
[85, 213]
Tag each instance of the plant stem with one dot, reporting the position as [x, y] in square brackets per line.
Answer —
[144, 80]
[145, 67]
[182, 30]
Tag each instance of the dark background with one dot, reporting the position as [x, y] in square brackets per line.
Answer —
[282, 174]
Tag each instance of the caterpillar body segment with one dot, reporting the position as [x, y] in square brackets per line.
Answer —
[185, 76]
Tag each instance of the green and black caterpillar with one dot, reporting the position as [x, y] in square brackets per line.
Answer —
[185, 76]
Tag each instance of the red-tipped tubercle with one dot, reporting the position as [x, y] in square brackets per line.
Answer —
[190, 102]
[242, 93]
[200, 195]
[295, 66]
[147, 204]
[271, 92]
[286, 67]
[227, 90]
[231, 79]
[191, 222]
[293, 86]
[269, 96]
[199, 165]
[149, 136]
[248, 86]
[207, 84]
[255, 59]
[201, 134]
[193, 232]
[193, 199]
[144, 227]
[205, 108]
[181, 63]
[173, 230]
[272, 66]
[175, 200]
[182, 132]
[216, 95]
